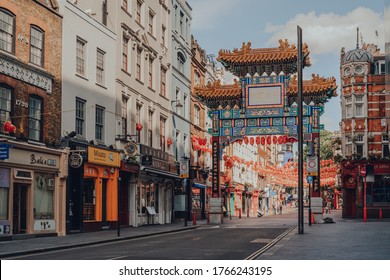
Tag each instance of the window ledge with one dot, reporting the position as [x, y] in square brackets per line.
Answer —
[126, 72]
[100, 85]
[80, 76]
[141, 82]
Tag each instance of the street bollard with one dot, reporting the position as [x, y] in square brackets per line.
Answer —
[380, 213]
[239, 213]
[208, 217]
[194, 218]
[247, 213]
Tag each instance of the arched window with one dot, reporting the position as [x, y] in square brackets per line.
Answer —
[197, 79]
[7, 31]
[180, 62]
[196, 115]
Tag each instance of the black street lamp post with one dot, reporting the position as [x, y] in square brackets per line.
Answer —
[300, 134]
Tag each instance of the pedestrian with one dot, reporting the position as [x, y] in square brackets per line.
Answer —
[274, 208]
[280, 209]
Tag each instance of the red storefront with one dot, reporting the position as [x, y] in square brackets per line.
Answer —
[366, 188]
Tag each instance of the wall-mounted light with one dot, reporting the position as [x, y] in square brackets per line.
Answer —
[178, 104]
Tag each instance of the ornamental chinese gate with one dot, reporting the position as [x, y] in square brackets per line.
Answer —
[265, 111]
[261, 105]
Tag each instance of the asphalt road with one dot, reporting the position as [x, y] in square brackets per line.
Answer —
[213, 243]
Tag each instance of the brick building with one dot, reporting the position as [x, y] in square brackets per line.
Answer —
[365, 141]
[31, 193]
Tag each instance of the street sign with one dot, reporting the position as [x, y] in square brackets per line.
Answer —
[184, 169]
[4, 151]
[322, 126]
[312, 165]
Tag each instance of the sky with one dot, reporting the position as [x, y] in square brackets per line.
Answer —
[327, 26]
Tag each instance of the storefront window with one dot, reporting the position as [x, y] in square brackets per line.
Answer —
[4, 189]
[3, 203]
[147, 196]
[89, 200]
[196, 201]
[381, 191]
[43, 196]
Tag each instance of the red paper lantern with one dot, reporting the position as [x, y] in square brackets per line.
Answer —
[280, 140]
[269, 140]
[246, 140]
[263, 141]
[258, 140]
[9, 127]
[252, 141]
[169, 141]
[285, 139]
[275, 140]
[138, 127]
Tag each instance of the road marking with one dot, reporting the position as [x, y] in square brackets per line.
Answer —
[269, 245]
[261, 240]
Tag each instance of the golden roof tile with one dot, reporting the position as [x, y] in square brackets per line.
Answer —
[216, 90]
[317, 85]
[284, 53]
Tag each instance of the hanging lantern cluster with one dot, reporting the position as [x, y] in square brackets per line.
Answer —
[169, 141]
[288, 175]
[200, 144]
[263, 140]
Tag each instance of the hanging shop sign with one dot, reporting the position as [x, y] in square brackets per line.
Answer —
[184, 170]
[103, 157]
[130, 149]
[75, 160]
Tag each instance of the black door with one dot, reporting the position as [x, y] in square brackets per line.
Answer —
[20, 209]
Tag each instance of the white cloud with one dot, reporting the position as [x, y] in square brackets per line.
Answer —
[207, 13]
[328, 33]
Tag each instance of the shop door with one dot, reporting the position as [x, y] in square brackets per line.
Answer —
[104, 203]
[124, 204]
[350, 203]
[20, 209]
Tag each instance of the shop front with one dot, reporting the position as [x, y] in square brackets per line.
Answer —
[198, 196]
[32, 191]
[153, 192]
[128, 184]
[93, 189]
[366, 189]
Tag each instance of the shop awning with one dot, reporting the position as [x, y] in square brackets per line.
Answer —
[156, 172]
[200, 186]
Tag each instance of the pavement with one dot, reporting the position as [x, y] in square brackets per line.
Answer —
[345, 239]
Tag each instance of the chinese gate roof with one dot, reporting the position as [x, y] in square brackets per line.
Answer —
[318, 87]
[247, 60]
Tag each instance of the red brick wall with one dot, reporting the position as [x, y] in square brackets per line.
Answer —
[29, 13]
